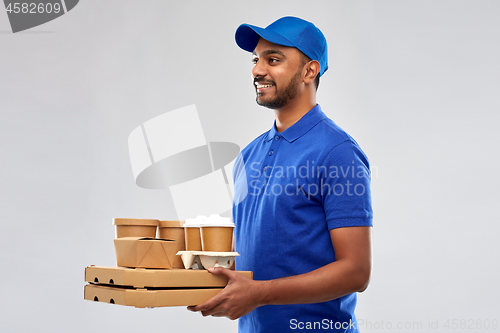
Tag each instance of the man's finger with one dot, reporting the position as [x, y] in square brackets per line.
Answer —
[217, 299]
[227, 273]
[208, 305]
[214, 313]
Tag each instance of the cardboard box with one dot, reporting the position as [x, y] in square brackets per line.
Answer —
[167, 287]
[142, 298]
[144, 252]
[156, 278]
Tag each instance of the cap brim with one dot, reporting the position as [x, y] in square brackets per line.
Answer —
[247, 37]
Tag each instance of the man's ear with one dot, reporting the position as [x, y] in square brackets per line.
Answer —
[312, 69]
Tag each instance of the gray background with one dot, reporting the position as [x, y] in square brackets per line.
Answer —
[415, 82]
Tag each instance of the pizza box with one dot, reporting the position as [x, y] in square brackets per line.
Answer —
[156, 278]
[144, 298]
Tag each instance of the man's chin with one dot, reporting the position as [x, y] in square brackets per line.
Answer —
[270, 104]
[266, 104]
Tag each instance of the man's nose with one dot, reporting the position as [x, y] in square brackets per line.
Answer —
[259, 69]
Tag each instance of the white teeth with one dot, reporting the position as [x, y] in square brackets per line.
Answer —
[263, 86]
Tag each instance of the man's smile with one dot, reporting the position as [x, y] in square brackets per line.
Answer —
[259, 86]
[262, 86]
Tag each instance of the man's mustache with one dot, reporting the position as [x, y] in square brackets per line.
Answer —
[262, 80]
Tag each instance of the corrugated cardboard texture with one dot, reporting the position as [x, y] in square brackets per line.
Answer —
[157, 278]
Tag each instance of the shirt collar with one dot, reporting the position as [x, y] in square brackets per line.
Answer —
[301, 127]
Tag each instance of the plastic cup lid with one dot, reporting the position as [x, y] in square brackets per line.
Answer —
[196, 222]
[215, 220]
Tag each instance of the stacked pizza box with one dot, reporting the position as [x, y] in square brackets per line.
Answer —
[156, 271]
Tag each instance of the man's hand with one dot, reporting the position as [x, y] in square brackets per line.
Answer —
[240, 296]
[349, 273]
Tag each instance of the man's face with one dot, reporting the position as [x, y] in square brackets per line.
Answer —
[277, 74]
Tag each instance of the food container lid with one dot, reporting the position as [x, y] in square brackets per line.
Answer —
[148, 222]
[171, 224]
[215, 220]
[196, 222]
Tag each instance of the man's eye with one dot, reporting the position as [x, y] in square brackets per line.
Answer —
[254, 60]
[273, 60]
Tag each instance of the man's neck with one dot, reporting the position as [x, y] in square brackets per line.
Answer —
[291, 113]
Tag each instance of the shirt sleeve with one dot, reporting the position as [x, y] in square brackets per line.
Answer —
[345, 180]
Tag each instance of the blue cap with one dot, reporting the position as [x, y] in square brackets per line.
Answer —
[287, 31]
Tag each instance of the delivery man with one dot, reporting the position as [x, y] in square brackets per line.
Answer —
[302, 205]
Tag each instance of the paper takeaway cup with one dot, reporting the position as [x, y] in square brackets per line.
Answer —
[217, 233]
[192, 233]
[174, 230]
[135, 227]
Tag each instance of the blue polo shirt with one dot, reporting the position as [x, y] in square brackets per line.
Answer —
[291, 188]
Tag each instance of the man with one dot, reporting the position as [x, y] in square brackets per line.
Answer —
[302, 206]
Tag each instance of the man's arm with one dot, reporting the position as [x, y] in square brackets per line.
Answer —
[349, 273]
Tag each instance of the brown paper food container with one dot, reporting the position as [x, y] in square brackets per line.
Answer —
[193, 238]
[135, 227]
[217, 238]
[174, 230]
[144, 252]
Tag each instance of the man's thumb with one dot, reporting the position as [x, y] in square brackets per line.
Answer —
[220, 271]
